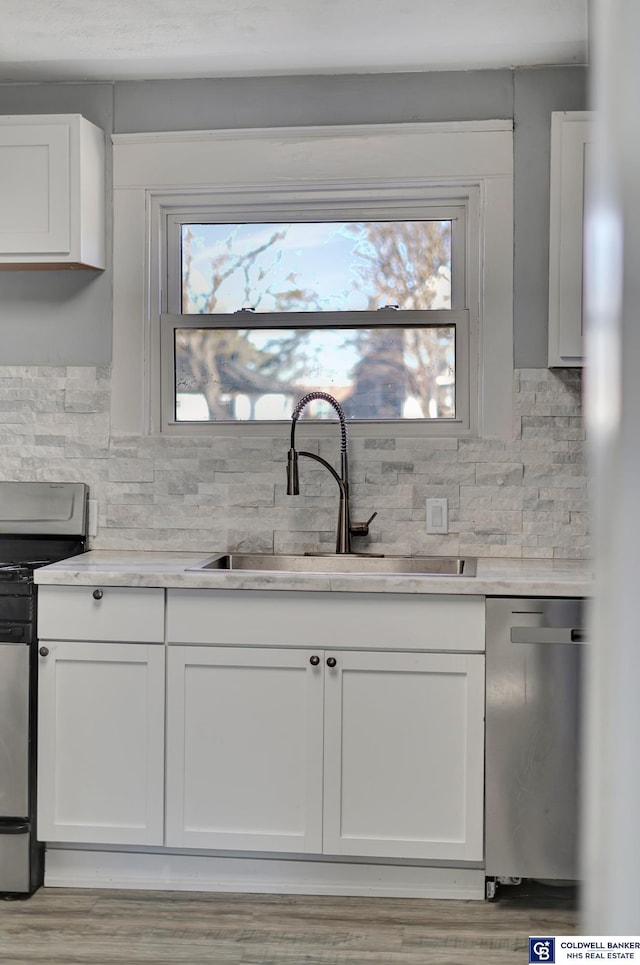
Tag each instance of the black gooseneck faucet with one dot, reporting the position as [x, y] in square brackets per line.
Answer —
[346, 529]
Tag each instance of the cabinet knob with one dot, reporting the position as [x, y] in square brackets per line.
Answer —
[314, 661]
[97, 594]
[331, 661]
[44, 651]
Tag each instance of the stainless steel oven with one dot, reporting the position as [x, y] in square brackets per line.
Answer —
[39, 523]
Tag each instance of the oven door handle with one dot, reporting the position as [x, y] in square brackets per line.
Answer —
[15, 633]
[14, 827]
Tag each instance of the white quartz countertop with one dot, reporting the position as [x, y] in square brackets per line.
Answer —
[495, 577]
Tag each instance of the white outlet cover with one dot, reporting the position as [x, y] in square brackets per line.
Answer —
[437, 516]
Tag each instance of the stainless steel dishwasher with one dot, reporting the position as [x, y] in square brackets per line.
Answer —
[534, 664]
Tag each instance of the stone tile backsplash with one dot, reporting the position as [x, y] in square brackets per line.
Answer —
[527, 497]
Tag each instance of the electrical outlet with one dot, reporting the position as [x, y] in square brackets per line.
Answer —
[437, 516]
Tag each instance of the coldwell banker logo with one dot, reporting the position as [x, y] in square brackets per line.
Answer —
[542, 950]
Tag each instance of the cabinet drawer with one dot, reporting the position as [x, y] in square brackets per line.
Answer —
[351, 621]
[128, 614]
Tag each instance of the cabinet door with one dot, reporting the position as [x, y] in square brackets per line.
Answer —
[571, 134]
[101, 743]
[34, 189]
[404, 755]
[244, 749]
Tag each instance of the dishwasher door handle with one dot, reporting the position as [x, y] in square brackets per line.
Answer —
[548, 635]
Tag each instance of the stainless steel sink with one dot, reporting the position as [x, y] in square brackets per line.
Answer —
[339, 563]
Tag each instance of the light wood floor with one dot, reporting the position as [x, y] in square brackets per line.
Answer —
[82, 927]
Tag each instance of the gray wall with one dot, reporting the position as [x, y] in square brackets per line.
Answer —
[286, 101]
[65, 317]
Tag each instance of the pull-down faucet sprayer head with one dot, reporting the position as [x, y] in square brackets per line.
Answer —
[293, 480]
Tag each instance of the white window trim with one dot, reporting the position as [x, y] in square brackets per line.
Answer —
[153, 172]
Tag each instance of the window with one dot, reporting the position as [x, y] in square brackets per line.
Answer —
[363, 175]
[315, 266]
[262, 312]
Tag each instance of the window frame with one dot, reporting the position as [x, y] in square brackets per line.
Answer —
[154, 172]
[456, 319]
[332, 209]
[437, 207]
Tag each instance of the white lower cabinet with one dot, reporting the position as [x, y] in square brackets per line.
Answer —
[277, 738]
[244, 749]
[101, 742]
[101, 715]
[404, 753]
[375, 754]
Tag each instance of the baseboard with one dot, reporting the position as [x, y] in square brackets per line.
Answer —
[68, 868]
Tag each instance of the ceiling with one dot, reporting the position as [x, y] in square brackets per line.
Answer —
[92, 40]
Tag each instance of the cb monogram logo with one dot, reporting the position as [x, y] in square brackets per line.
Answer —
[542, 950]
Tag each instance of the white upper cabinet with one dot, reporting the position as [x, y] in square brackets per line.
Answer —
[571, 133]
[52, 192]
